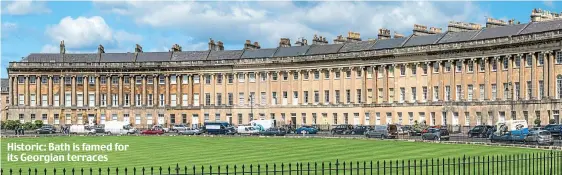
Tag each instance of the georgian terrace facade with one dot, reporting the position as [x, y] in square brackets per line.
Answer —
[514, 76]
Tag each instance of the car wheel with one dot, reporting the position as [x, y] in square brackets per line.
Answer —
[50, 132]
[333, 132]
[383, 137]
[352, 132]
[108, 133]
[481, 136]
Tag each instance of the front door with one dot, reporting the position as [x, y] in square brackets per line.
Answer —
[195, 121]
[91, 118]
[230, 120]
[294, 121]
[126, 119]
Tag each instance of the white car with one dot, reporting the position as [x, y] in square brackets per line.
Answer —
[160, 127]
[81, 129]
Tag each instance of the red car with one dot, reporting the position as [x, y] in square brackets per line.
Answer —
[152, 132]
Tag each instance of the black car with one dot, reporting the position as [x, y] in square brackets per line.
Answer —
[46, 129]
[360, 130]
[480, 131]
[342, 129]
[99, 128]
[274, 132]
[555, 130]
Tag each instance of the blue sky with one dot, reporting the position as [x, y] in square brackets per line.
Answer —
[34, 27]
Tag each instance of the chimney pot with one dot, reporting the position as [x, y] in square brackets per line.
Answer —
[62, 47]
[101, 49]
[138, 48]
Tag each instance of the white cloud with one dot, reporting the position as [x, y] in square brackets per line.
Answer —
[48, 48]
[266, 22]
[548, 3]
[24, 7]
[87, 32]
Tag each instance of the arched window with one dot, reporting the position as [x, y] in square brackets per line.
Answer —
[559, 86]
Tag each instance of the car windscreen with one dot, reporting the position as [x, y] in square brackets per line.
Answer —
[478, 128]
[550, 127]
[544, 133]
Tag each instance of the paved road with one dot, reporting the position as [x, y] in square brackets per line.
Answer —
[453, 137]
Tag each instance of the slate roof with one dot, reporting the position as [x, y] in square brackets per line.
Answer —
[259, 53]
[5, 85]
[357, 46]
[291, 51]
[316, 49]
[452, 37]
[154, 56]
[117, 57]
[497, 32]
[423, 40]
[43, 57]
[449, 37]
[389, 43]
[225, 55]
[190, 55]
[536, 27]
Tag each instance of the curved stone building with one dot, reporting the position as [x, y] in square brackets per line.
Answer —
[467, 75]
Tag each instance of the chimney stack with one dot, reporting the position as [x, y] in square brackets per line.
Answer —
[285, 42]
[434, 30]
[420, 30]
[513, 22]
[491, 23]
[220, 45]
[101, 49]
[384, 34]
[544, 15]
[62, 47]
[319, 40]
[461, 26]
[138, 49]
[212, 45]
[176, 48]
[301, 42]
[353, 36]
[249, 46]
[398, 35]
[340, 39]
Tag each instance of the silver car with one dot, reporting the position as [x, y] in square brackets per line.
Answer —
[379, 131]
[539, 137]
[190, 131]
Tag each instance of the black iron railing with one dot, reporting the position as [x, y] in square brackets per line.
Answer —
[535, 163]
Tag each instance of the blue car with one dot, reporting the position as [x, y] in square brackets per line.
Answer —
[306, 129]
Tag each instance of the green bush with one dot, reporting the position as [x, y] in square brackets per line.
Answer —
[28, 126]
[552, 121]
[537, 122]
[12, 124]
[3, 125]
[38, 123]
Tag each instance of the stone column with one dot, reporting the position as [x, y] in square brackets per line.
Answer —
[156, 95]
[62, 92]
[133, 94]
[179, 94]
[202, 90]
[167, 94]
[73, 91]
[50, 92]
[27, 94]
[487, 86]
[109, 98]
[214, 93]
[121, 97]
[534, 81]
[97, 96]
[38, 100]
[13, 90]
[86, 94]
[190, 89]
[143, 91]
[521, 77]
[552, 74]
[546, 72]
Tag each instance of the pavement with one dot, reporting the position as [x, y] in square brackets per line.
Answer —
[453, 137]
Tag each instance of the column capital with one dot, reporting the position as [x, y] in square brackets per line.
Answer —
[416, 63]
[427, 62]
[548, 52]
[26, 76]
[361, 67]
[339, 68]
[472, 59]
[497, 57]
[50, 76]
[277, 71]
[350, 68]
[319, 69]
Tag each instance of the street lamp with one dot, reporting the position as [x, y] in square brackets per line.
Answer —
[251, 100]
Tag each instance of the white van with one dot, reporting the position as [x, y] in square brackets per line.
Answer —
[250, 130]
[81, 129]
[119, 128]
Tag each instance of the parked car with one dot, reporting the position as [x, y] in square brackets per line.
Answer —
[480, 131]
[342, 129]
[99, 129]
[153, 132]
[249, 130]
[383, 132]
[539, 137]
[274, 132]
[555, 130]
[46, 129]
[189, 131]
[160, 127]
[81, 129]
[178, 127]
[307, 129]
[436, 134]
[359, 130]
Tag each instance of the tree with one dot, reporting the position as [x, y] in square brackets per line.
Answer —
[537, 122]
[552, 121]
[38, 123]
[28, 126]
[12, 124]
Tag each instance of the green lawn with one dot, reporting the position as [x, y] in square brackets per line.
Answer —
[188, 151]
